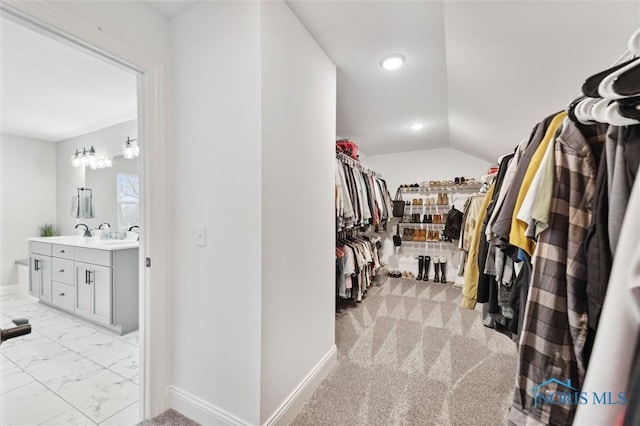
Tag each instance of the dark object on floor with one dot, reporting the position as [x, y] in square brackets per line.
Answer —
[22, 327]
[169, 418]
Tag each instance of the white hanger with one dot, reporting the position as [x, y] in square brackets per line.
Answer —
[583, 110]
[634, 43]
[605, 88]
[599, 110]
[613, 116]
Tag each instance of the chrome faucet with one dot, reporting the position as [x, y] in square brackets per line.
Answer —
[134, 226]
[106, 223]
[87, 233]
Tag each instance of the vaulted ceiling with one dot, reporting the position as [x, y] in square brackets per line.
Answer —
[479, 73]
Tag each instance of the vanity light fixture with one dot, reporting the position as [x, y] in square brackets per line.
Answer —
[131, 149]
[87, 158]
[392, 62]
[417, 126]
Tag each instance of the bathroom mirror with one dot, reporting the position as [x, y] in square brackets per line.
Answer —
[116, 193]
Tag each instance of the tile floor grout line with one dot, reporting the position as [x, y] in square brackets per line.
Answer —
[107, 419]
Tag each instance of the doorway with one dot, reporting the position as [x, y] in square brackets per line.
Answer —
[83, 365]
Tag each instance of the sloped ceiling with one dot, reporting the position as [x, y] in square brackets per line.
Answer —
[480, 74]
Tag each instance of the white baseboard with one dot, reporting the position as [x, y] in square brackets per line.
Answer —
[14, 288]
[199, 410]
[208, 414]
[292, 405]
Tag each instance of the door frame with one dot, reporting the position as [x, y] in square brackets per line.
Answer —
[155, 184]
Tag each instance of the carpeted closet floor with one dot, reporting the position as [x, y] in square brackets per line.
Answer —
[410, 355]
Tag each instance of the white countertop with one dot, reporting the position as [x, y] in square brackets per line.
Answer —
[88, 242]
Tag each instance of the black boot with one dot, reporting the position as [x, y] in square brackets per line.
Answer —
[420, 267]
[436, 267]
[443, 269]
[427, 261]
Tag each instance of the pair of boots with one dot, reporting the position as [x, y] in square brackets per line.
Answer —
[440, 263]
[423, 268]
[439, 266]
[443, 199]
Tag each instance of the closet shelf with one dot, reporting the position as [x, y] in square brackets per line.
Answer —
[431, 206]
[436, 189]
[447, 244]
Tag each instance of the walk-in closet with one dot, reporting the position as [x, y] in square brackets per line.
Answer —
[471, 163]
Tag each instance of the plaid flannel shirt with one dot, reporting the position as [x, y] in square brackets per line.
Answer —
[555, 326]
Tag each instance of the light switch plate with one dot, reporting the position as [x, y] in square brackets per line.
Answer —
[201, 236]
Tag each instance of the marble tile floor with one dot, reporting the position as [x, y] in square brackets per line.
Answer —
[67, 371]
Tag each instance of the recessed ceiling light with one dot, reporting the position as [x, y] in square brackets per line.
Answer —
[416, 126]
[392, 62]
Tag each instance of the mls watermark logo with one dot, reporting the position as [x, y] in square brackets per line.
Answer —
[565, 394]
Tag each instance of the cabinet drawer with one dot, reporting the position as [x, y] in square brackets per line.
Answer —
[40, 248]
[62, 295]
[62, 270]
[95, 257]
[64, 252]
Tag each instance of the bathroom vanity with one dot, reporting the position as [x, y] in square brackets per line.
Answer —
[96, 280]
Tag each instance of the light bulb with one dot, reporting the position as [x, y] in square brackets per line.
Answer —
[393, 62]
[84, 160]
[75, 159]
[108, 162]
[128, 151]
[100, 163]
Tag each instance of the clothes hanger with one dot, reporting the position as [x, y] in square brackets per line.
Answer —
[591, 84]
[583, 110]
[629, 107]
[613, 116]
[599, 109]
[606, 89]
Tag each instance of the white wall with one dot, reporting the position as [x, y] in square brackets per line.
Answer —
[28, 169]
[298, 225]
[217, 299]
[431, 164]
[107, 142]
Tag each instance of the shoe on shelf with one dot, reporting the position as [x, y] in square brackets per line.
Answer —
[456, 181]
[445, 198]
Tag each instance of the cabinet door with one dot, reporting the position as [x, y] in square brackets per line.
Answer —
[101, 306]
[35, 275]
[45, 283]
[82, 303]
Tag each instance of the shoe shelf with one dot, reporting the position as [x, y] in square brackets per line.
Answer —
[429, 206]
[441, 244]
[444, 188]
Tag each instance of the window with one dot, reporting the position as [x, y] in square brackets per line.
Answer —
[127, 187]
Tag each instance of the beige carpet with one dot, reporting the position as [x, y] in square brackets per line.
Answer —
[169, 418]
[409, 355]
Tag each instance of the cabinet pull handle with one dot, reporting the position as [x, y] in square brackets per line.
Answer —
[61, 270]
[61, 251]
[91, 272]
[61, 294]
[86, 276]
[37, 265]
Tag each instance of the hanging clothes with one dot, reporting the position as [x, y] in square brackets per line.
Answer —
[362, 198]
